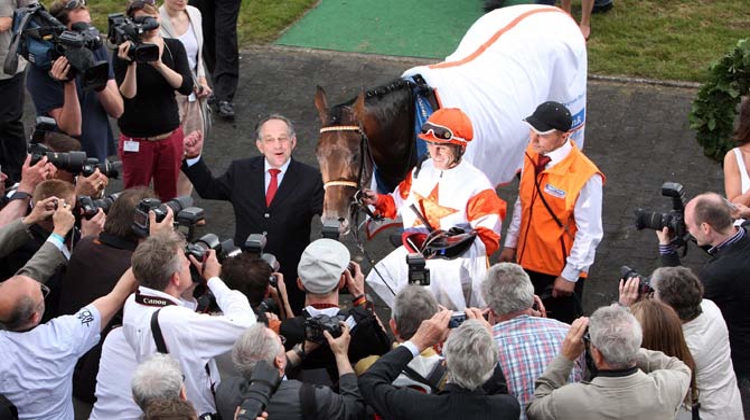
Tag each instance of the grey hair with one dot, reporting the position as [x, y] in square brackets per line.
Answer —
[279, 117]
[157, 258]
[470, 355]
[158, 378]
[255, 344]
[507, 289]
[616, 334]
[20, 314]
[413, 305]
[679, 288]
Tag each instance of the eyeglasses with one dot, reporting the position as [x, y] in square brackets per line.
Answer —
[45, 290]
[586, 338]
[137, 5]
[74, 4]
[440, 132]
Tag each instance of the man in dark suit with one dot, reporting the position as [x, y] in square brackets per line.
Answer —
[477, 389]
[272, 194]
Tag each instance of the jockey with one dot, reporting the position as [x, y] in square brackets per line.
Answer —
[448, 192]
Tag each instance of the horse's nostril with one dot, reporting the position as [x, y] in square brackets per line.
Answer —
[341, 219]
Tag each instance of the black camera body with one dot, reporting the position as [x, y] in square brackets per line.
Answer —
[330, 230]
[90, 206]
[644, 286]
[263, 384]
[184, 213]
[314, 327]
[255, 244]
[674, 219]
[123, 29]
[200, 247]
[419, 274]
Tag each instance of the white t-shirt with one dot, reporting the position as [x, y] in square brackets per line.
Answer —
[37, 365]
[114, 398]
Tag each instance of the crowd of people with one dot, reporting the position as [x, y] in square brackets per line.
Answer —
[110, 313]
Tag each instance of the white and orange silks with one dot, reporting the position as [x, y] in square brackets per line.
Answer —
[510, 61]
[462, 197]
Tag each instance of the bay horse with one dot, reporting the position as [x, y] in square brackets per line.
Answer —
[510, 60]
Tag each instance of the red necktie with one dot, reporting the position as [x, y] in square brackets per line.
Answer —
[273, 186]
[541, 163]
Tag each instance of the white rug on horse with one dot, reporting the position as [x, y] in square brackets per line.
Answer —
[510, 61]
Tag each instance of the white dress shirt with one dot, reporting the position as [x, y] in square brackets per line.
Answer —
[37, 365]
[279, 177]
[588, 217]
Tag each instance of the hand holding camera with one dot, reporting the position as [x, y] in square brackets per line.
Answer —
[573, 344]
[355, 280]
[432, 331]
[41, 211]
[165, 225]
[92, 185]
[33, 174]
[63, 218]
[93, 226]
[339, 345]
[60, 69]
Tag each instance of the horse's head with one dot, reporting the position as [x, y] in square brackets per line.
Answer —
[344, 165]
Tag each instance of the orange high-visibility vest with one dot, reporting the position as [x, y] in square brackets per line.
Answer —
[543, 244]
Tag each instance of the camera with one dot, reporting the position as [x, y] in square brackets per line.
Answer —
[263, 383]
[254, 245]
[418, 273]
[123, 29]
[644, 287]
[42, 126]
[89, 207]
[43, 39]
[314, 327]
[674, 219]
[184, 213]
[74, 162]
[200, 247]
[457, 319]
[330, 230]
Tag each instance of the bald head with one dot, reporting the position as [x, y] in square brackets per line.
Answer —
[21, 303]
[713, 209]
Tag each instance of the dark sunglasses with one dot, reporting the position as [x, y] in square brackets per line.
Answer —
[440, 132]
[137, 5]
[586, 338]
[74, 4]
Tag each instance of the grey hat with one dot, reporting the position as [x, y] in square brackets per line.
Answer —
[322, 264]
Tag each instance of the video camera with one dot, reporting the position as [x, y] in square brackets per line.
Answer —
[263, 384]
[43, 39]
[75, 162]
[91, 206]
[674, 219]
[644, 287]
[254, 245]
[419, 274]
[123, 29]
[314, 327]
[182, 207]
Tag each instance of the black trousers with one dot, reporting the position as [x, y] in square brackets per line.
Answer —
[12, 133]
[565, 309]
[220, 51]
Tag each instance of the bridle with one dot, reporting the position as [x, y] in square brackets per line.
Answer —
[365, 159]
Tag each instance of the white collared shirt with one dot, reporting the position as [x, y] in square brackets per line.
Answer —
[37, 365]
[193, 339]
[588, 218]
[279, 177]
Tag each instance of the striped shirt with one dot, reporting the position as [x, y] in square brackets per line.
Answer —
[527, 345]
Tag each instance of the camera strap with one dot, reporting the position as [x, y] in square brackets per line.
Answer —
[147, 300]
[11, 61]
[161, 346]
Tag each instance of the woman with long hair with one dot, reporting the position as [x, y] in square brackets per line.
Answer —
[151, 139]
[737, 160]
[184, 23]
[662, 331]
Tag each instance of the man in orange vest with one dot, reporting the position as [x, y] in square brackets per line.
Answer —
[557, 221]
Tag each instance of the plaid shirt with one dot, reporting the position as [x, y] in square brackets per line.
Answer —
[527, 345]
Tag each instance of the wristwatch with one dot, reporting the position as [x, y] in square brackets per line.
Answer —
[19, 195]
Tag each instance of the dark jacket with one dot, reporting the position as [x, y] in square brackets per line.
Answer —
[455, 402]
[286, 403]
[725, 281]
[286, 222]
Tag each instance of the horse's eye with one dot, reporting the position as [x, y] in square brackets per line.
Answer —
[355, 157]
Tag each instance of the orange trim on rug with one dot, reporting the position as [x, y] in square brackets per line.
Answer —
[495, 37]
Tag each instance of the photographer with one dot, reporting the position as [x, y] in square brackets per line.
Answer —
[17, 201]
[95, 265]
[79, 113]
[708, 218]
[92, 185]
[323, 271]
[194, 340]
[253, 277]
[293, 400]
[151, 139]
[12, 133]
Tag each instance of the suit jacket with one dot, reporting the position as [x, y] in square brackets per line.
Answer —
[286, 403]
[43, 264]
[196, 22]
[286, 223]
[654, 389]
[455, 402]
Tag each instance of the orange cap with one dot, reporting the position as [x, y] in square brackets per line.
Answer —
[448, 125]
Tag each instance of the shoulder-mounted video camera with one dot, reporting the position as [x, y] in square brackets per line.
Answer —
[41, 39]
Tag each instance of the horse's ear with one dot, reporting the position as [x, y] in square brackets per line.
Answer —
[321, 103]
[359, 107]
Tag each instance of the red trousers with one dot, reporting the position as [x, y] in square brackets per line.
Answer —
[158, 159]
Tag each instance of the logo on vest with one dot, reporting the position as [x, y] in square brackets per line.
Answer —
[553, 191]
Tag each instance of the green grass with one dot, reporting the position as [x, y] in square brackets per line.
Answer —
[657, 39]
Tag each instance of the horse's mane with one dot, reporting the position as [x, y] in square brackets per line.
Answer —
[374, 96]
